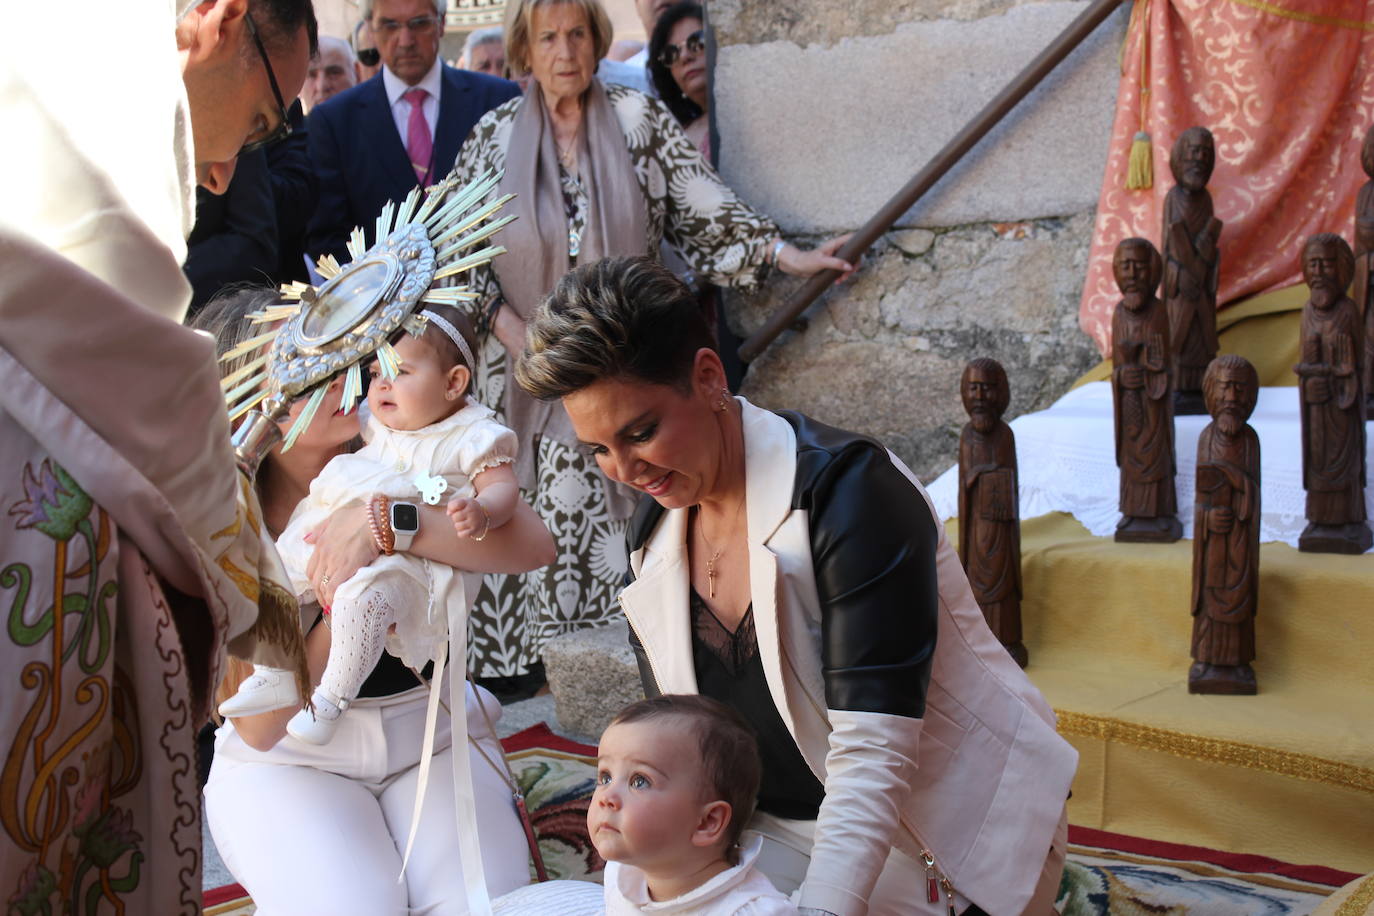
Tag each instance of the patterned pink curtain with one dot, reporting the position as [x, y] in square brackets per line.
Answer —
[1287, 89]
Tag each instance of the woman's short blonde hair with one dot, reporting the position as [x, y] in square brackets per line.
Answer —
[520, 21]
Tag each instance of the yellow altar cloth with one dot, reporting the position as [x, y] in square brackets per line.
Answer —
[1287, 774]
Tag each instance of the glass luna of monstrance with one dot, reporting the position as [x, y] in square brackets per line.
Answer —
[358, 310]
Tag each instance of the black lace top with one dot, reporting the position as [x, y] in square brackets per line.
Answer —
[729, 669]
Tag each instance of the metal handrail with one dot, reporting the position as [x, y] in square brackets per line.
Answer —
[944, 160]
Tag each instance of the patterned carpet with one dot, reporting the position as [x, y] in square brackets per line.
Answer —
[1107, 874]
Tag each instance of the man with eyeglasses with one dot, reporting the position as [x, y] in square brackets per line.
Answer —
[373, 143]
[131, 560]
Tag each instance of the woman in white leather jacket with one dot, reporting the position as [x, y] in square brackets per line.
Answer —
[798, 573]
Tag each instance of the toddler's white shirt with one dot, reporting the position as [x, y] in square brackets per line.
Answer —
[738, 891]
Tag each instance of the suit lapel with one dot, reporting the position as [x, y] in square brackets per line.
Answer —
[656, 604]
[387, 141]
[453, 125]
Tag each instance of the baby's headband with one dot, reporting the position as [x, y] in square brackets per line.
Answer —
[447, 327]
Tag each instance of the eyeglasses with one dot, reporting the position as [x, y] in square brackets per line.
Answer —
[420, 25]
[283, 128]
[693, 45]
[369, 57]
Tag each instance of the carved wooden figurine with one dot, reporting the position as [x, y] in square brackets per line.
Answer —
[989, 512]
[1191, 257]
[1332, 402]
[1226, 523]
[1142, 398]
[1364, 266]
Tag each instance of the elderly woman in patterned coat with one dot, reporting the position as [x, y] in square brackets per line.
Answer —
[598, 170]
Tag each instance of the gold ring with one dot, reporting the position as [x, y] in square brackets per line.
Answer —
[324, 580]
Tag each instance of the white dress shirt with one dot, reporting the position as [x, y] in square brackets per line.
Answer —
[400, 108]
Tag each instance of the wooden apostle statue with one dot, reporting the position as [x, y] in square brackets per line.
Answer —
[1364, 266]
[1191, 257]
[1142, 398]
[989, 514]
[1226, 523]
[1331, 345]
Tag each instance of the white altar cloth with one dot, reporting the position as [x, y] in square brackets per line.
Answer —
[1066, 462]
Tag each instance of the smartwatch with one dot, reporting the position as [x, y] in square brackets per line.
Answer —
[405, 522]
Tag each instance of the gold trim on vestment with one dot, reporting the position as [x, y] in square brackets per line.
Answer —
[1358, 903]
[1218, 750]
[1310, 18]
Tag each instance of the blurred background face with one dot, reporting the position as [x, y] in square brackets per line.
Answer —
[331, 72]
[366, 46]
[562, 50]
[407, 33]
[689, 65]
[488, 57]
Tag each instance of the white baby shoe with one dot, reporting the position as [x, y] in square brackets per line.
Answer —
[264, 690]
[318, 727]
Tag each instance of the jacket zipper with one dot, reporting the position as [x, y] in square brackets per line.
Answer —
[648, 656]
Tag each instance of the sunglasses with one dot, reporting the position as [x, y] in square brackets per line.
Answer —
[693, 45]
[283, 128]
[369, 57]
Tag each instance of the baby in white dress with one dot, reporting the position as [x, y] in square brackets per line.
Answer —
[425, 437]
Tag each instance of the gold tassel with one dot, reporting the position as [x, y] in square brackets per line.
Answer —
[1140, 173]
[277, 632]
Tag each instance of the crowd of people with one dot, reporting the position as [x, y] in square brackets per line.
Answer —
[809, 744]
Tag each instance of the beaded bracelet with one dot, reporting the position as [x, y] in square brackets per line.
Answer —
[380, 524]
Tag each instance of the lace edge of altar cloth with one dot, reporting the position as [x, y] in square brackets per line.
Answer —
[1066, 463]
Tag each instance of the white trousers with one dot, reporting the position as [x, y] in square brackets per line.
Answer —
[318, 830]
[901, 887]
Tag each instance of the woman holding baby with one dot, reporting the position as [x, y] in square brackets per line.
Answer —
[315, 821]
[798, 574]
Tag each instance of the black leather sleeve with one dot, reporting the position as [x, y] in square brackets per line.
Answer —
[873, 541]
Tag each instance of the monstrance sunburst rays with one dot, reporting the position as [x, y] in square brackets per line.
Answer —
[360, 307]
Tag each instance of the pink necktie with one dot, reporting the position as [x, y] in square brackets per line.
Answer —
[419, 144]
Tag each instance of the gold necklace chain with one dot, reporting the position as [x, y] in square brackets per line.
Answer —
[715, 554]
[566, 156]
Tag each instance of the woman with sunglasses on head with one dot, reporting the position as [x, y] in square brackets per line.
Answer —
[597, 170]
[677, 65]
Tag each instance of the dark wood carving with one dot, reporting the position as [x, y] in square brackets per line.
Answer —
[1332, 402]
[1226, 524]
[989, 508]
[1191, 257]
[1142, 398]
[1364, 266]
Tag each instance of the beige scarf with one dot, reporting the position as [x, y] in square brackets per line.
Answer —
[616, 224]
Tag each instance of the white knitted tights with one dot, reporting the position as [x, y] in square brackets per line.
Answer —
[358, 634]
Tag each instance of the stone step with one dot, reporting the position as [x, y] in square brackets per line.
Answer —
[592, 676]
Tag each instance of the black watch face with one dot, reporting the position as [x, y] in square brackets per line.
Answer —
[405, 517]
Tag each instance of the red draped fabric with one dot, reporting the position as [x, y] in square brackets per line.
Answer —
[1287, 89]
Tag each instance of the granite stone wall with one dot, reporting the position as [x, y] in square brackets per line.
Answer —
[825, 108]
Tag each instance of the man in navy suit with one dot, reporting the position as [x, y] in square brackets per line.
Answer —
[374, 142]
